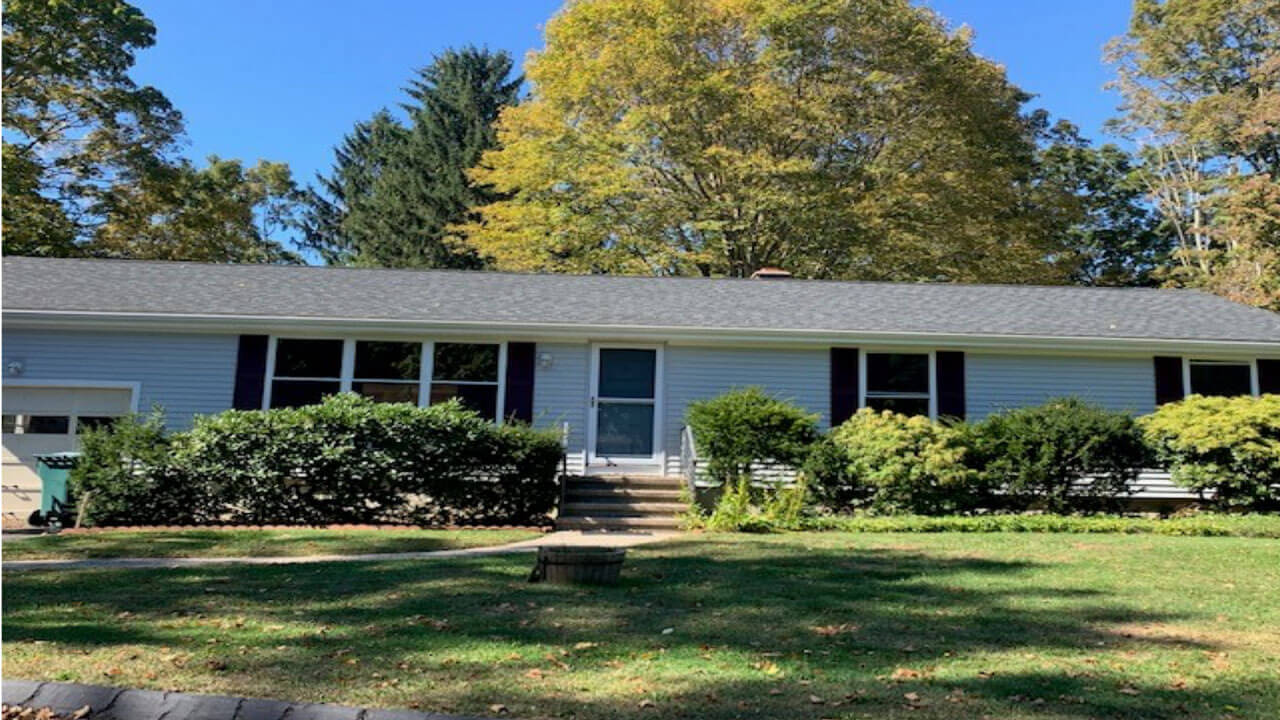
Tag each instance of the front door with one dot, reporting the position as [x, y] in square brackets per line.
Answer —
[623, 433]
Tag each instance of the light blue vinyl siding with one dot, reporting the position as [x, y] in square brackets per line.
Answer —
[560, 395]
[998, 382]
[184, 374]
[697, 373]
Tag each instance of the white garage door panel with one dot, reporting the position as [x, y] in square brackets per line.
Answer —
[21, 485]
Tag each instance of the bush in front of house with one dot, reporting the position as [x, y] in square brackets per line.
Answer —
[351, 460]
[125, 476]
[1197, 524]
[1037, 455]
[747, 427]
[1226, 446]
[891, 463]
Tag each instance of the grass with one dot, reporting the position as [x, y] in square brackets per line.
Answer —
[803, 625]
[241, 543]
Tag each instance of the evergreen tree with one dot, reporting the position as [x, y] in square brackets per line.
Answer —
[395, 190]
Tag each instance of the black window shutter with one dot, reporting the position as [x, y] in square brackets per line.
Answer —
[519, 395]
[1169, 380]
[950, 384]
[1269, 377]
[844, 384]
[251, 372]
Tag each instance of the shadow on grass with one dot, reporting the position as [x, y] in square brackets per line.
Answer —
[744, 629]
[246, 542]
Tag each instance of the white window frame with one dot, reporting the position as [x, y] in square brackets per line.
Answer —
[428, 367]
[933, 377]
[349, 349]
[427, 348]
[1255, 388]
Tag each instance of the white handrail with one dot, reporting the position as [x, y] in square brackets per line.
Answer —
[688, 458]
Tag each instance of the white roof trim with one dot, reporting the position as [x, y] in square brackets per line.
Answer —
[676, 334]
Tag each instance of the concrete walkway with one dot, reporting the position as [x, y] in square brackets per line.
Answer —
[564, 537]
[109, 703]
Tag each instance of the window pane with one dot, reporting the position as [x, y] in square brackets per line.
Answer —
[48, 425]
[897, 372]
[388, 392]
[388, 360]
[624, 429]
[1225, 380]
[10, 424]
[463, 361]
[905, 406]
[627, 373]
[481, 398]
[93, 422]
[308, 358]
[296, 393]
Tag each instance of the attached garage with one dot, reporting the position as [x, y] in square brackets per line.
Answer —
[48, 418]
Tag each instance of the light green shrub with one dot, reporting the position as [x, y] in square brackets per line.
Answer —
[894, 463]
[1230, 446]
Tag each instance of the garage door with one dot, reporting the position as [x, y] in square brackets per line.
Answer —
[45, 420]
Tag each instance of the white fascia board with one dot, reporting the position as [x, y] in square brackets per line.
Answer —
[549, 332]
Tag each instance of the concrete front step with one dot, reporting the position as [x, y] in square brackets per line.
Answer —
[621, 506]
[651, 481]
[638, 493]
[604, 522]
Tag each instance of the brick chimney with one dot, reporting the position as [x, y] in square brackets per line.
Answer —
[770, 273]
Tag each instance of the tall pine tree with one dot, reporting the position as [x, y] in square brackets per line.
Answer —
[395, 190]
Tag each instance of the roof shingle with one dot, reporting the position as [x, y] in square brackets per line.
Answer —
[641, 302]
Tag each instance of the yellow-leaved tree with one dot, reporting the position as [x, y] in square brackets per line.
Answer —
[835, 138]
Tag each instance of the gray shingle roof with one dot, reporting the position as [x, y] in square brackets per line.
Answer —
[579, 300]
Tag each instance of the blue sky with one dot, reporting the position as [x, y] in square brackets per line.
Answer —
[286, 79]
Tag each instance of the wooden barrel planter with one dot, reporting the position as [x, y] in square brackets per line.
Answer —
[578, 565]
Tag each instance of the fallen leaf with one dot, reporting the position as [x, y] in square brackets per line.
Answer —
[647, 703]
[1130, 690]
[816, 700]
[905, 674]
[829, 630]
[668, 631]
[498, 709]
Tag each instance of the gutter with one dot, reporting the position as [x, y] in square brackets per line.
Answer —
[549, 332]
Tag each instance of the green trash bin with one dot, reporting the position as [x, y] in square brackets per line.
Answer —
[53, 469]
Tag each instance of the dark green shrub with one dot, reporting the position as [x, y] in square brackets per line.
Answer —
[351, 460]
[1039, 454]
[125, 477]
[746, 427]
[892, 463]
[1227, 446]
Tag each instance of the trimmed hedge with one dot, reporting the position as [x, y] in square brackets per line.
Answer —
[1228, 446]
[1038, 455]
[346, 460]
[127, 477]
[746, 427]
[1200, 525]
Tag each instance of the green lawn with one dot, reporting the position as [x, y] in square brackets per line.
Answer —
[820, 625]
[241, 543]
